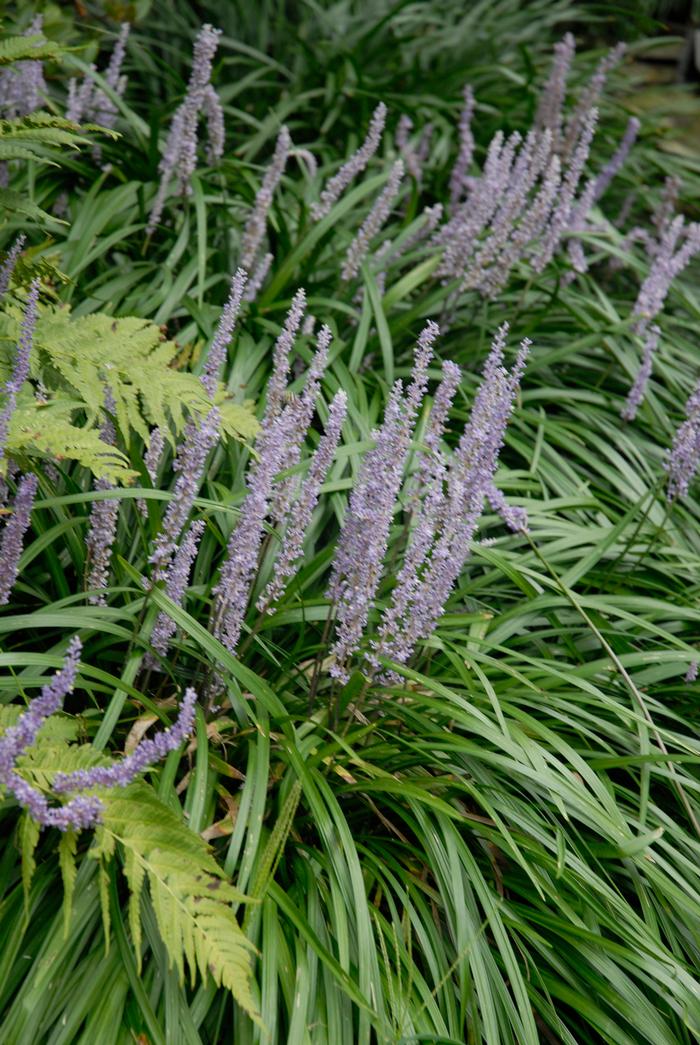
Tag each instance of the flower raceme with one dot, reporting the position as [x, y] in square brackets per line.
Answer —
[179, 158]
[82, 810]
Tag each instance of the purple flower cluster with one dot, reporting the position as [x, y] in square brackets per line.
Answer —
[279, 445]
[20, 372]
[636, 394]
[527, 199]
[299, 520]
[684, 457]
[176, 580]
[216, 356]
[677, 245]
[102, 527]
[147, 752]
[22, 84]
[337, 185]
[13, 533]
[549, 114]
[189, 465]
[460, 180]
[88, 102]
[415, 155]
[357, 251]
[198, 440]
[151, 460]
[82, 811]
[8, 266]
[180, 155]
[256, 225]
[362, 545]
[446, 517]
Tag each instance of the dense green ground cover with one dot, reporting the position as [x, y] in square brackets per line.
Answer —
[501, 846]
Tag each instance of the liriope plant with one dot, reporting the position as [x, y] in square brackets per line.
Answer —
[470, 824]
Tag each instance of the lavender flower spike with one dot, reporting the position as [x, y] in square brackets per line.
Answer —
[258, 277]
[13, 535]
[363, 540]
[354, 166]
[421, 596]
[147, 752]
[277, 385]
[176, 585]
[103, 525]
[82, 812]
[189, 465]
[180, 154]
[22, 85]
[151, 459]
[667, 263]
[233, 589]
[279, 448]
[636, 394]
[614, 165]
[459, 179]
[293, 542]
[216, 131]
[22, 735]
[684, 457]
[8, 265]
[372, 223]
[257, 222]
[216, 356]
[549, 110]
[103, 109]
[692, 672]
[21, 369]
[514, 518]
[589, 97]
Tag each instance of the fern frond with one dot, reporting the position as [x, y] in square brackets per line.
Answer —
[238, 420]
[75, 358]
[190, 896]
[15, 203]
[21, 48]
[47, 429]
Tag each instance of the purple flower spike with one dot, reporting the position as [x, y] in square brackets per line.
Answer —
[549, 110]
[102, 528]
[257, 222]
[363, 540]
[121, 773]
[80, 813]
[179, 158]
[684, 457]
[224, 332]
[22, 85]
[13, 535]
[8, 265]
[636, 394]
[20, 372]
[277, 385]
[293, 543]
[189, 464]
[176, 582]
[459, 179]
[692, 672]
[448, 515]
[357, 251]
[337, 185]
